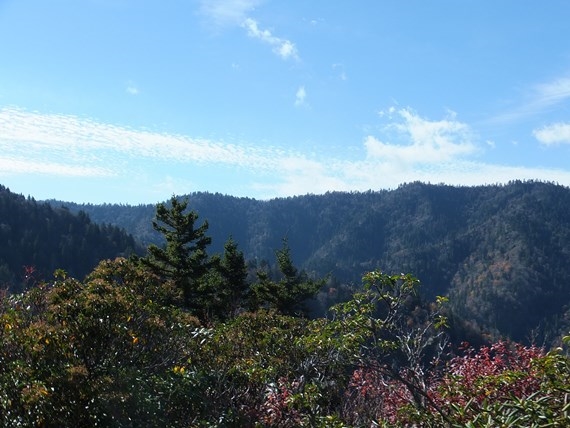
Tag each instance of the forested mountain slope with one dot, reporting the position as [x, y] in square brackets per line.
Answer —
[38, 238]
[501, 252]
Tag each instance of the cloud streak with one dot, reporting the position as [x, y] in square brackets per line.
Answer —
[237, 13]
[552, 92]
[10, 165]
[539, 98]
[282, 47]
[412, 148]
[408, 148]
[77, 140]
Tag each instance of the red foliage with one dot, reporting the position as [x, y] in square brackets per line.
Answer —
[496, 373]
[277, 410]
[29, 274]
[376, 396]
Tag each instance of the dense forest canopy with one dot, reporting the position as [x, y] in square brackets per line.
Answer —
[501, 251]
[38, 238]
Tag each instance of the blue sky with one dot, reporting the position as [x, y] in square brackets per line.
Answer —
[132, 101]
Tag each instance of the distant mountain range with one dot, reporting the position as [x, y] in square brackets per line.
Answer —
[501, 252]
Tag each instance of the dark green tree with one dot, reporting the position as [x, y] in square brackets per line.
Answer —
[288, 294]
[233, 270]
[183, 259]
[224, 288]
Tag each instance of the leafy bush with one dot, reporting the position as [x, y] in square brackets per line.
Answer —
[92, 353]
[119, 349]
[504, 384]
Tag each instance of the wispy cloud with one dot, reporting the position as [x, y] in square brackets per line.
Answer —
[552, 92]
[282, 47]
[557, 133]
[300, 96]
[411, 148]
[14, 165]
[58, 140]
[299, 175]
[225, 13]
[132, 88]
[170, 185]
[537, 99]
[322, 175]
[408, 148]
[425, 141]
[228, 12]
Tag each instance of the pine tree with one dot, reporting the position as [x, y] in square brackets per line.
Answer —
[183, 259]
[289, 293]
[234, 272]
[224, 288]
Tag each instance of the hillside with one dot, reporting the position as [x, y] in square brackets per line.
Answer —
[500, 252]
[38, 238]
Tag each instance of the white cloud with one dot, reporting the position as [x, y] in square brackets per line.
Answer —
[388, 112]
[286, 49]
[300, 96]
[170, 185]
[11, 166]
[299, 175]
[557, 133]
[426, 141]
[282, 47]
[537, 99]
[319, 176]
[54, 140]
[132, 89]
[553, 92]
[228, 12]
[410, 148]
[225, 13]
[437, 151]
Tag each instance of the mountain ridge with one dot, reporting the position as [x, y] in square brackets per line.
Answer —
[500, 252]
[39, 238]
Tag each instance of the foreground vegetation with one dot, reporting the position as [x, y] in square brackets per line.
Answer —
[119, 349]
[179, 338]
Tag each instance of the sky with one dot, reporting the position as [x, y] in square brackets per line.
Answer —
[124, 101]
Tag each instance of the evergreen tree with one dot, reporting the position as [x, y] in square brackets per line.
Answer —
[289, 293]
[224, 288]
[234, 273]
[183, 259]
